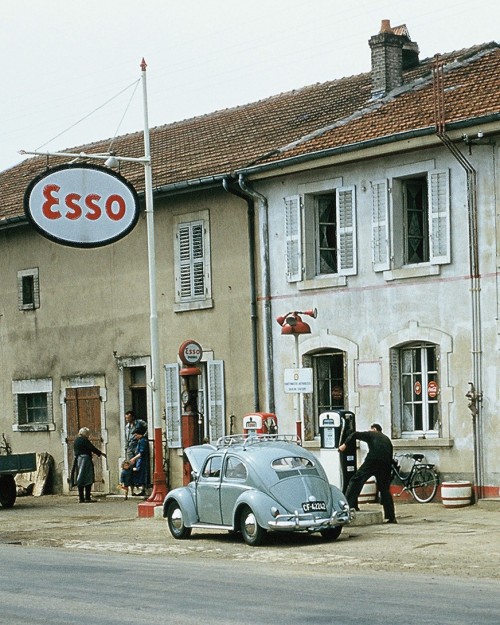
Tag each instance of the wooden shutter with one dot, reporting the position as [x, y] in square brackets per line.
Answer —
[380, 226]
[173, 406]
[346, 231]
[439, 216]
[293, 253]
[216, 404]
[191, 261]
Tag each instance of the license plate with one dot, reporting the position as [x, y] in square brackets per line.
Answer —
[314, 506]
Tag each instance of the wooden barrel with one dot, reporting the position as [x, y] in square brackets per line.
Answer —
[368, 492]
[456, 494]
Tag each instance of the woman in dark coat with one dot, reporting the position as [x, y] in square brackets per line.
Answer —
[83, 467]
[140, 461]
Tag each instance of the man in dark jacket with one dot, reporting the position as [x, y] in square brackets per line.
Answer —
[377, 463]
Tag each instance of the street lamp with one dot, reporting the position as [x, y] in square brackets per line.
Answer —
[292, 323]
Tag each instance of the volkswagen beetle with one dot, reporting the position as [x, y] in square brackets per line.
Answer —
[254, 485]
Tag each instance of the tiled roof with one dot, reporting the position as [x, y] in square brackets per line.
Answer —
[320, 117]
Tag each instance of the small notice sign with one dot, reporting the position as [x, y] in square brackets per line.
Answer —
[299, 380]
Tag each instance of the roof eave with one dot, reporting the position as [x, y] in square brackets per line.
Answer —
[363, 146]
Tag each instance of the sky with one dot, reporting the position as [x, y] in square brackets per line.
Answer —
[71, 68]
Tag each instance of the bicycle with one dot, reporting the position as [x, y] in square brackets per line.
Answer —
[422, 479]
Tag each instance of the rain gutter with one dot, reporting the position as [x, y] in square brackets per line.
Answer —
[231, 187]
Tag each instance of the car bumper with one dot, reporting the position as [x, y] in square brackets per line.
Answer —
[310, 522]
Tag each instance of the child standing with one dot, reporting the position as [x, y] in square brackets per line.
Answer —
[126, 477]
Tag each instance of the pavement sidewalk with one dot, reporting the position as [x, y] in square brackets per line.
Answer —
[428, 538]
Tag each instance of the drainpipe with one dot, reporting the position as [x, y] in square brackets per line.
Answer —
[474, 394]
[231, 188]
[266, 289]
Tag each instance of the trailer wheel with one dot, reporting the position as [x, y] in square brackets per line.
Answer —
[8, 491]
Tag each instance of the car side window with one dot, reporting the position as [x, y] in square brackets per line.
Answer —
[235, 469]
[212, 467]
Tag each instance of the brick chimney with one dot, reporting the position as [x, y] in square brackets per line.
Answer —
[392, 51]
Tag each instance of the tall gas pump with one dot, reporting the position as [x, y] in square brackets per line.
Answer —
[190, 354]
[334, 427]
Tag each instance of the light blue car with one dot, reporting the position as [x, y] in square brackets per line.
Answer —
[254, 485]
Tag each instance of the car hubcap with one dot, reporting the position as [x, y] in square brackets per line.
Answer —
[250, 524]
[177, 519]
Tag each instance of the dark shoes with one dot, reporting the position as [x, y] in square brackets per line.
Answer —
[391, 521]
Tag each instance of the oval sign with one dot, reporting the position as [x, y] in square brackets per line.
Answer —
[81, 205]
[190, 352]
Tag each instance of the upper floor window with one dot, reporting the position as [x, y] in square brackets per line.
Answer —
[411, 221]
[320, 233]
[192, 264]
[33, 405]
[28, 293]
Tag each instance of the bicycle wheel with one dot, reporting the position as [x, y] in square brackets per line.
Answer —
[424, 484]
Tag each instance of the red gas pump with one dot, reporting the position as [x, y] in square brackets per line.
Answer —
[190, 353]
[260, 423]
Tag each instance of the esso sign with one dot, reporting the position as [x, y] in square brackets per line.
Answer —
[81, 205]
[190, 352]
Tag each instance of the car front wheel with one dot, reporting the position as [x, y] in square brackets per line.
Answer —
[176, 522]
[253, 533]
[332, 533]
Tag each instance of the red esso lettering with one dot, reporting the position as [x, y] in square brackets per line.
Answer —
[192, 351]
[115, 206]
[50, 201]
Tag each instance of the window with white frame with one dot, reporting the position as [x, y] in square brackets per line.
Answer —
[33, 405]
[210, 402]
[192, 263]
[415, 382]
[320, 233]
[28, 289]
[411, 220]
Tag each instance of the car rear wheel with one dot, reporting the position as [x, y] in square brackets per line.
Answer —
[332, 533]
[176, 522]
[253, 533]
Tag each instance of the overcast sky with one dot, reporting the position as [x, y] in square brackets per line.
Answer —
[71, 68]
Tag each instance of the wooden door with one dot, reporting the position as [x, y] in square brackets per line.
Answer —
[83, 410]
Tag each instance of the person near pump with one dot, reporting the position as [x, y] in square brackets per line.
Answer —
[131, 424]
[378, 463]
[83, 467]
[140, 461]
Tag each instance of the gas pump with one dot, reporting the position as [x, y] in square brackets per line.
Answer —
[260, 423]
[334, 427]
[190, 353]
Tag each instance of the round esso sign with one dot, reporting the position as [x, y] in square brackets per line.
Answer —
[190, 352]
[81, 205]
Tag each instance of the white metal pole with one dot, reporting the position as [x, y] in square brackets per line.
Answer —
[159, 481]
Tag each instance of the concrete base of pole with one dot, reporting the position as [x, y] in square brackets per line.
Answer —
[146, 509]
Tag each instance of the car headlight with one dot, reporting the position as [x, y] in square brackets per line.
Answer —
[274, 511]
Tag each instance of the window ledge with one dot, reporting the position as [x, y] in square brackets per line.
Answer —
[194, 305]
[422, 443]
[34, 427]
[415, 271]
[326, 282]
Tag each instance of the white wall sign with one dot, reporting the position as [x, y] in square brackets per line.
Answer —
[299, 380]
[81, 205]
